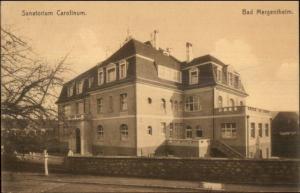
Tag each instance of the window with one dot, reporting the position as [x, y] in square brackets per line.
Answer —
[236, 82]
[149, 100]
[100, 76]
[169, 74]
[188, 132]
[219, 75]
[192, 103]
[124, 132]
[180, 108]
[176, 105]
[79, 108]
[79, 87]
[163, 128]
[241, 103]
[253, 130]
[70, 90]
[220, 102]
[230, 79]
[123, 101]
[91, 81]
[76, 108]
[110, 104]
[231, 103]
[199, 131]
[267, 152]
[111, 73]
[100, 132]
[171, 102]
[163, 104]
[260, 133]
[193, 76]
[100, 105]
[267, 130]
[228, 130]
[123, 69]
[171, 130]
[149, 130]
[67, 110]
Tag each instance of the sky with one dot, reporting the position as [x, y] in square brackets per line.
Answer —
[263, 49]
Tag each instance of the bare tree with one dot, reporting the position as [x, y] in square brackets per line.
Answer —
[28, 84]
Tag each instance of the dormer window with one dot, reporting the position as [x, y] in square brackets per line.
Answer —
[193, 76]
[91, 81]
[111, 73]
[123, 69]
[70, 90]
[219, 75]
[100, 76]
[79, 87]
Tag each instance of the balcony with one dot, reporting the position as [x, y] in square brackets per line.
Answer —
[240, 110]
[188, 142]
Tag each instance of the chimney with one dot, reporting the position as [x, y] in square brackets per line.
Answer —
[155, 39]
[189, 52]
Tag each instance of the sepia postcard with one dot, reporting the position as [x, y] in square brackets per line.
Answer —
[136, 96]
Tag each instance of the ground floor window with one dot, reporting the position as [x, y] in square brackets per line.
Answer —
[124, 131]
[228, 130]
[188, 132]
[199, 131]
[100, 132]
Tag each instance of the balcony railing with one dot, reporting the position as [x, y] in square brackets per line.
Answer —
[239, 110]
[188, 142]
[78, 117]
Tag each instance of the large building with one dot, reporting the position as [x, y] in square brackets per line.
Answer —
[142, 101]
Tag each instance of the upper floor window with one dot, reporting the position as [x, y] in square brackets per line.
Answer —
[163, 104]
[267, 130]
[192, 103]
[100, 105]
[230, 79]
[79, 87]
[70, 90]
[188, 132]
[111, 73]
[176, 105]
[219, 75]
[100, 131]
[180, 107]
[124, 132]
[260, 132]
[91, 81]
[236, 82]
[149, 100]
[172, 104]
[199, 131]
[123, 101]
[79, 108]
[123, 69]
[253, 130]
[193, 76]
[100, 76]
[228, 130]
[241, 103]
[67, 110]
[163, 128]
[171, 130]
[169, 74]
[231, 103]
[110, 104]
[220, 102]
[149, 130]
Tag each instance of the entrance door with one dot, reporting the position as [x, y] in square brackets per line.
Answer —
[78, 141]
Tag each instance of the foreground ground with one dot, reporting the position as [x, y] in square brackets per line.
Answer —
[36, 182]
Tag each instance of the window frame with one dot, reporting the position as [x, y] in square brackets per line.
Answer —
[190, 105]
[123, 63]
[149, 130]
[108, 68]
[99, 105]
[198, 128]
[100, 79]
[188, 132]
[229, 130]
[100, 132]
[124, 133]
[252, 130]
[191, 80]
[123, 101]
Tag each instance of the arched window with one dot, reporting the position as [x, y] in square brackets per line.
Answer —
[149, 130]
[220, 102]
[100, 131]
[171, 102]
[241, 103]
[231, 103]
[163, 104]
[124, 131]
[188, 132]
[176, 105]
[199, 131]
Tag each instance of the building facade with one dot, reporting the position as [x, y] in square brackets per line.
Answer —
[142, 101]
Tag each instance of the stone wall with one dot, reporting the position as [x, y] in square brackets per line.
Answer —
[213, 170]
